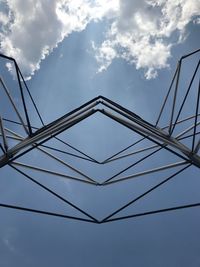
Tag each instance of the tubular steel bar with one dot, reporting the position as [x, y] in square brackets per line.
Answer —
[104, 183]
[13, 104]
[161, 138]
[166, 98]
[23, 99]
[63, 142]
[186, 95]
[48, 133]
[58, 174]
[146, 193]
[50, 155]
[175, 96]
[3, 135]
[165, 139]
[172, 82]
[52, 214]
[196, 115]
[46, 213]
[113, 157]
[158, 169]
[53, 193]
[152, 212]
[133, 122]
[19, 77]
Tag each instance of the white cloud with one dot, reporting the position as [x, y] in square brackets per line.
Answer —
[105, 54]
[139, 30]
[31, 29]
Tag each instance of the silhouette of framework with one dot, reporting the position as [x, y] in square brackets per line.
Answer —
[162, 138]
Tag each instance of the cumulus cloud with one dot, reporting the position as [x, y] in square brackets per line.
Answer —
[31, 29]
[139, 30]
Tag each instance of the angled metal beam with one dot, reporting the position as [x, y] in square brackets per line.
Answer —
[51, 192]
[13, 105]
[145, 193]
[175, 96]
[5, 143]
[185, 97]
[43, 212]
[151, 212]
[48, 133]
[161, 138]
[143, 173]
[152, 136]
[42, 170]
[196, 116]
[44, 151]
[132, 122]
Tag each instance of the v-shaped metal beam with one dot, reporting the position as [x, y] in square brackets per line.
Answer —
[115, 112]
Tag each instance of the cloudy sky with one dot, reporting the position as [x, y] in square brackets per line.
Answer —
[142, 33]
[70, 52]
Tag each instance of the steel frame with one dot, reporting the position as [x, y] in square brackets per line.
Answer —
[163, 138]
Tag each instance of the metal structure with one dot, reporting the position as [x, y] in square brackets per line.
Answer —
[184, 145]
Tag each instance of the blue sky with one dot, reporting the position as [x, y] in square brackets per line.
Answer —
[71, 52]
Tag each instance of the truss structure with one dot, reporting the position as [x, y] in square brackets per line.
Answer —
[179, 137]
